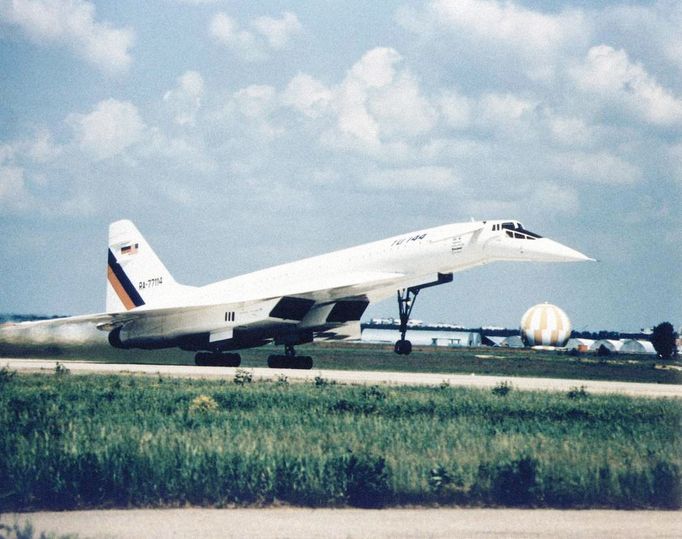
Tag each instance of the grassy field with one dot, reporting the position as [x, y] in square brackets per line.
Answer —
[493, 361]
[123, 441]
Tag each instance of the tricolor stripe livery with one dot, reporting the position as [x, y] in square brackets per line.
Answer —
[124, 289]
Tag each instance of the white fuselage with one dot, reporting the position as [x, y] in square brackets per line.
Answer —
[366, 273]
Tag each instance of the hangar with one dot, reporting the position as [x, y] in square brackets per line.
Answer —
[423, 336]
[637, 346]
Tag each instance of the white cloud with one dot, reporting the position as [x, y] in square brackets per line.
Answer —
[13, 193]
[266, 34]
[256, 100]
[378, 102]
[39, 149]
[534, 36]
[401, 110]
[226, 31]
[109, 129]
[307, 95]
[257, 103]
[42, 148]
[555, 197]
[278, 32]
[456, 109]
[71, 23]
[598, 167]
[503, 110]
[423, 177]
[185, 99]
[610, 75]
[570, 131]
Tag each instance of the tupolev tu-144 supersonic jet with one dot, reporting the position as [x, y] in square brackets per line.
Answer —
[322, 297]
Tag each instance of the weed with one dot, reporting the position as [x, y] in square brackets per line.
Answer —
[6, 375]
[100, 441]
[502, 389]
[282, 380]
[373, 393]
[439, 478]
[203, 404]
[577, 393]
[319, 381]
[242, 377]
[444, 384]
[61, 370]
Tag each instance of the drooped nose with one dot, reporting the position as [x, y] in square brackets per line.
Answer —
[544, 249]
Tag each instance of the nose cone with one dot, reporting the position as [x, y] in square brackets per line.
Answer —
[546, 250]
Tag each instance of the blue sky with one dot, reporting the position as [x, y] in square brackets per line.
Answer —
[239, 135]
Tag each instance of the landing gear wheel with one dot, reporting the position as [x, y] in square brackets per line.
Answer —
[276, 361]
[216, 359]
[403, 347]
[406, 299]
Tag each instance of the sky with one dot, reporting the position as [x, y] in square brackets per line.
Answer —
[240, 135]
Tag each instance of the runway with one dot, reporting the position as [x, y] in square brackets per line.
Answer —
[356, 377]
[293, 522]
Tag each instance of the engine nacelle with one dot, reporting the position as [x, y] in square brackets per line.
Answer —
[125, 339]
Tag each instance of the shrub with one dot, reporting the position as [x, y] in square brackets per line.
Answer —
[577, 393]
[502, 389]
[366, 480]
[203, 404]
[242, 377]
[61, 370]
[6, 375]
[321, 382]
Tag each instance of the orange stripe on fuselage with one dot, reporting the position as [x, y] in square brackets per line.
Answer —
[118, 288]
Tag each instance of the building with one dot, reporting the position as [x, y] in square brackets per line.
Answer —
[423, 336]
[637, 346]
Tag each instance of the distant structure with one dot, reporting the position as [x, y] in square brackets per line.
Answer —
[545, 325]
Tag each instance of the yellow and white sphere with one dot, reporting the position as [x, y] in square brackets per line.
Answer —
[545, 325]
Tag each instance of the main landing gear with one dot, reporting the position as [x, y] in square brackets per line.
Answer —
[406, 298]
[217, 359]
[290, 360]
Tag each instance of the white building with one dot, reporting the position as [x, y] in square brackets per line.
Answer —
[610, 344]
[634, 346]
[423, 337]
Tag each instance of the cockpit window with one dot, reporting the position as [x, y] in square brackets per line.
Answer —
[516, 231]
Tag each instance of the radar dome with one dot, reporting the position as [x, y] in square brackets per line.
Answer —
[545, 325]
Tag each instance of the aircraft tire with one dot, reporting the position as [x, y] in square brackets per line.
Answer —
[277, 362]
[403, 347]
[230, 360]
[209, 359]
[303, 362]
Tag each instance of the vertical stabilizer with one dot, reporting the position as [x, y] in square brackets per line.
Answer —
[135, 275]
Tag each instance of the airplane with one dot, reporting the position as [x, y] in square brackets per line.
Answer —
[322, 297]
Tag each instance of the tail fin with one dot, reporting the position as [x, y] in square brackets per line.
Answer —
[135, 276]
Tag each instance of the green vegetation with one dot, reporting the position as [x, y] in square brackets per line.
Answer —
[346, 356]
[123, 441]
[26, 531]
[663, 338]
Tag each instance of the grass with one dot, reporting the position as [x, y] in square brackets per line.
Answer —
[125, 441]
[484, 361]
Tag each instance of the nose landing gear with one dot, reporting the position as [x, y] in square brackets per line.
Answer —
[406, 299]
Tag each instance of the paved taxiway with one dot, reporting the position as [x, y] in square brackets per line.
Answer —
[357, 377]
[357, 523]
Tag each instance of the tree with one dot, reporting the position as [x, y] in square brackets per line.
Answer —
[663, 338]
